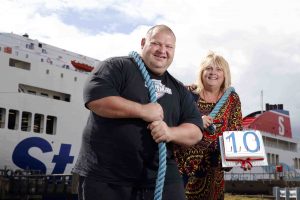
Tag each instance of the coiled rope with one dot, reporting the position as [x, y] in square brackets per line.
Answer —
[214, 112]
[161, 146]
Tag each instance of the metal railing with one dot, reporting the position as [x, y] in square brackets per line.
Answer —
[286, 193]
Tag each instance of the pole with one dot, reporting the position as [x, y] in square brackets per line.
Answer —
[262, 101]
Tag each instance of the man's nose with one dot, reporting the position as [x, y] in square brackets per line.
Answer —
[162, 48]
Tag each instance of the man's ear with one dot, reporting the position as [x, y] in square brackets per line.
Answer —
[143, 41]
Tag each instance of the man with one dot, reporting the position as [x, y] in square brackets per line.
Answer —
[118, 159]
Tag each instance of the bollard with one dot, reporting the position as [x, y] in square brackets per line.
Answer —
[297, 193]
[287, 193]
[276, 193]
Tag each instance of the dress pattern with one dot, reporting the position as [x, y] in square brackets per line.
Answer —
[200, 165]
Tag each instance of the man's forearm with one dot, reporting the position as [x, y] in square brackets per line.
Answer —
[186, 134]
[119, 107]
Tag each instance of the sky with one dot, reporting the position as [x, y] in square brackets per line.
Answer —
[260, 39]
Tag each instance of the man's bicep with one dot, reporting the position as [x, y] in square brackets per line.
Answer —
[104, 82]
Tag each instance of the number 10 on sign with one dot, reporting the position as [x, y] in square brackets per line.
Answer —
[242, 145]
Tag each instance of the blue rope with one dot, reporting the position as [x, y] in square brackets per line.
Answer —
[214, 112]
[162, 150]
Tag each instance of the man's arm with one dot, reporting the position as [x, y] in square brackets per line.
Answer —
[119, 107]
[186, 134]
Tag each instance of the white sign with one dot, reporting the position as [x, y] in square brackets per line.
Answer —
[241, 148]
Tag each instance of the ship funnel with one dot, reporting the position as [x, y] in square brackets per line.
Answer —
[26, 35]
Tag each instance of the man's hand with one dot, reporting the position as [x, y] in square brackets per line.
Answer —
[152, 112]
[160, 131]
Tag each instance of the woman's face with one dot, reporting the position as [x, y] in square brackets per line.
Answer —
[213, 76]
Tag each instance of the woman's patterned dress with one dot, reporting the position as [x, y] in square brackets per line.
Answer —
[200, 165]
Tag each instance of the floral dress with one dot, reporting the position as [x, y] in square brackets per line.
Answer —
[200, 165]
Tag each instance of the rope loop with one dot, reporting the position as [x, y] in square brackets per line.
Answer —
[162, 149]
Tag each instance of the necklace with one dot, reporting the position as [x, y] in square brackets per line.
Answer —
[211, 99]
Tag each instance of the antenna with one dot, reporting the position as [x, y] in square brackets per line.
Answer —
[262, 101]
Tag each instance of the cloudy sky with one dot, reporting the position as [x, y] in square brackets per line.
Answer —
[259, 38]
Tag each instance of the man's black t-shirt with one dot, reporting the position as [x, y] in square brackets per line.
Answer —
[122, 151]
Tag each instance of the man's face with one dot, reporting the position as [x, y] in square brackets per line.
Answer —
[158, 50]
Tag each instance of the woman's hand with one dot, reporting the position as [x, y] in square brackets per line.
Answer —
[191, 87]
[207, 121]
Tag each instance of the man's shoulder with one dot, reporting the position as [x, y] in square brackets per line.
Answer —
[174, 80]
[181, 88]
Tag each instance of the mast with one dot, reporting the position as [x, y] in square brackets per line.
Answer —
[262, 101]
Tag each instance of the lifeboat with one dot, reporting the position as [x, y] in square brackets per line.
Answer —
[82, 66]
[8, 50]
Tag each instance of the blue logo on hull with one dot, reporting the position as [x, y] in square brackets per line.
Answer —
[23, 160]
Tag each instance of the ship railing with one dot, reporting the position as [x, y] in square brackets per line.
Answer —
[32, 183]
[287, 176]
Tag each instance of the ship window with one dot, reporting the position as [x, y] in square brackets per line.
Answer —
[44, 51]
[2, 117]
[38, 125]
[269, 158]
[31, 46]
[17, 53]
[26, 121]
[44, 94]
[47, 71]
[51, 125]
[56, 97]
[42, 59]
[19, 64]
[297, 163]
[272, 159]
[13, 119]
[40, 45]
[26, 56]
[32, 92]
[61, 75]
[75, 78]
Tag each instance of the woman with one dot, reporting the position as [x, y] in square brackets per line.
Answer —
[201, 165]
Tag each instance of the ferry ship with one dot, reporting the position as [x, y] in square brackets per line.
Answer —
[42, 114]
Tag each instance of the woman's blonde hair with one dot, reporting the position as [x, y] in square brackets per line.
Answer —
[214, 59]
